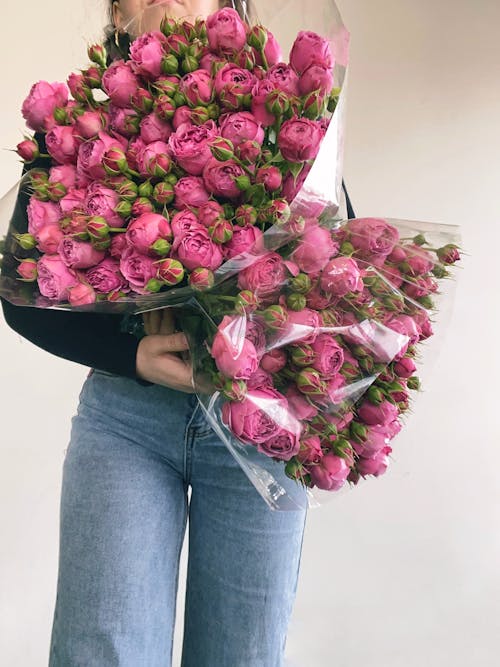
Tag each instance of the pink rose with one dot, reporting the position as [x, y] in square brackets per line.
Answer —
[423, 323]
[81, 295]
[405, 325]
[309, 49]
[418, 260]
[145, 230]
[43, 98]
[274, 360]
[299, 139]
[190, 192]
[73, 200]
[89, 124]
[138, 269]
[210, 212]
[123, 121]
[78, 254]
[226, 32]
[154, 129]
[282, 445]
[54, 277]
[195, 249]
[265, 276]
[190, 146]
[255, 333]
[235, 356]
[147, 52]
[310, 450]
[341, 276]
[91, 153]
[330, 473]
[284, 78]
[272, 50]
[375, 238]
[41, 213]
[232, 83]
[185, 221]
[376, 439]
[63, 173]
[106, 277]
[183, 114]
[299, 405]
[120, 83]
[419, 287]
[316, 77]
[118, 245]
[240, 127]
[197, 87]
[61, 144]
[315, 248]
[302, 326]
[405, 367]
[377, 415]
[102, 201]
[244, 240]
[153, 159]
[48, 238]
[375, 466]
[260, 93]
[260, 380]
[292, 186]
[135, 146]
[220, 178]
[329, 355]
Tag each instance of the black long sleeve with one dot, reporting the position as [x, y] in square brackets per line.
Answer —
[91, 339]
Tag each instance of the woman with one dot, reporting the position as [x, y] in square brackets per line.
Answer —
[138, 441]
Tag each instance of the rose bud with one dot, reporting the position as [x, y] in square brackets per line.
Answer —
[221, 231]
[81, 295]
[248, 152]
[277, 212]
[235, 390]
[28, 150]
[168, 25]
[296, 301]
[330, 473]
[377, 415]
[375, 395]
[163, 193]
[302, 354]
[79, 88]
[89, 124]
[270, 177]
[141, 206]
[273, 361]
[153, 285]
[170, 271]
[222, 149]
[124, 208]
[226, 32]
[313, 105]
[277, 102]
[27, 269]
[201, 279]
[301, 283]
[92, 76]
[161, 247]
[310, 450]
[164, 107]
[246, 302]
[142, 101]
[177, 44]
[413, 383]
[56, 191]
[448, 254]
[97, 54]
[310, 383]
[275, 317]
[169, 64]
[26, 241]
[97, 228]
[245, 215]
[358, 431]
[114, 161]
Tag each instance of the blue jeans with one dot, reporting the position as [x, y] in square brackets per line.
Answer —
[133, 452]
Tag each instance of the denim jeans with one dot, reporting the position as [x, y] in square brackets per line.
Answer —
[134, 451]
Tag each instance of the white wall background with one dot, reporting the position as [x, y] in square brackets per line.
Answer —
[404, 570]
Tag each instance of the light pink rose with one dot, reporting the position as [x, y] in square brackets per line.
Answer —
[54, 277]
[120, 83]
[340, 276]
[260, 93]
[375, 466]
[90, 123]
[232, 83]
[375, 238]
[226, 32]
[245, 239]
[235, 356]
[240, 127]
[316, 77]
[308, 49]
[377, 415]
[147, 52]
[265, 276]
[90, 154]
[106, 276]
[283, 78]
[78, 254]
[330, 473]
[138, 269]
[299, 139]
[310, 450]
[190, 192]
[220, 178]
[197, 87]
[43, 98]
[48, 238]
[102, 201]
[315, 248]
[196, 249]
[81, 295]
[63, 173]
[282, 445]
[41, 213]
[74, 199]
[61, 144]
[189, 146]
[145, 230]
[154, 129]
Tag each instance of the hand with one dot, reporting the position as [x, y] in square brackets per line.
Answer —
[158, 359]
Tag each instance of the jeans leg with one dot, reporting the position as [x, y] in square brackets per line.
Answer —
[122, 523]
[243, 566]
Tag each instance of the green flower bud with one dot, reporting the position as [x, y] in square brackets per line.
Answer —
[301, 283]
[26, 241]
[413, 383]
[296, 301]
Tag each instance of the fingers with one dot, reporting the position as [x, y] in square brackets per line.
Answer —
[152, 320]
[175, 342]
[167, 324]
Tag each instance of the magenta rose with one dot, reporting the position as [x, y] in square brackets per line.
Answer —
[185, 221]
[189, 146]
[54, 277]
[102, 201]
[291, 186]
[240, 127]
[272, 50]
[265, 276]
[64, 174]
[90, 154]
[220, 178]
[153, 157]
[375, 238]
[61, 144]
[118, 245]
[329, 355]
[43, 98]
[283, 78]
[260, 380]
[377, 415]
[299, 405]
[226, 31]
[423, 323]
[316, 77]
[41, 213]
[245, 239]
[299, 139]
[418, 260]
[405, 367]
[138, 269]
[255, 333]
[48, 238]
[197, 87]
[120, 83]
[310, 450]
[308, 49]
[235, 356]
[196, 249]
[282, 445]
[340, 276]
[78, 254]
[315, 248]
[375, 440]
[274, 360]
[375, 466]
[74, 199]
[210, 212]
[106, 276]
[190, 192]
[123, 121]
[232, 83]
[153, 128]
[330, 473]
[260, 111]
[145, 230]
[147, 52]
[183, 114]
